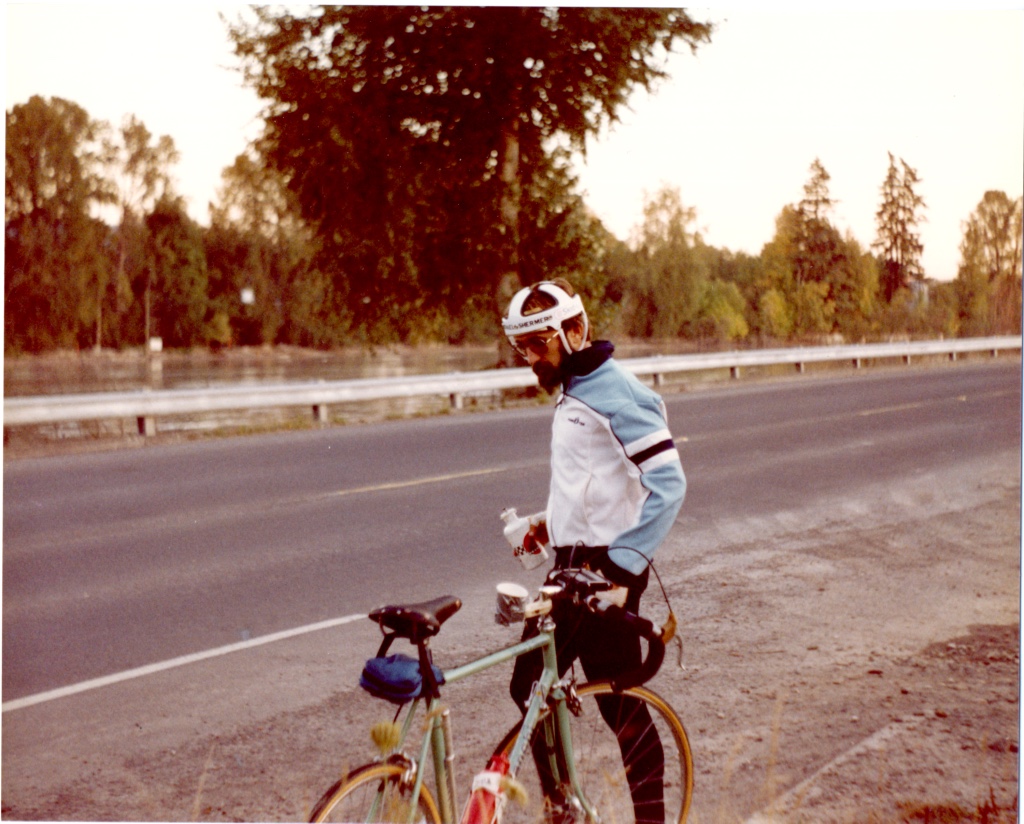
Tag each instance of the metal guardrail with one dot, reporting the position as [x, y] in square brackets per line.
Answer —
[146, 405]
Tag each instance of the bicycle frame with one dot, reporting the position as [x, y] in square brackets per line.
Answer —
[437, 739]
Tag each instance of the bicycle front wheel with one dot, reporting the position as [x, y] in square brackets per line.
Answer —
[632, 760]
[376, 793]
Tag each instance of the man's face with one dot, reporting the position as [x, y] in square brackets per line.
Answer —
[544, 352]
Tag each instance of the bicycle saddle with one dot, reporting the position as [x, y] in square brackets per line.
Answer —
[416, 621]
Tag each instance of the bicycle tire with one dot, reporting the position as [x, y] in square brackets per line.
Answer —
[375, 793]
[599, 762]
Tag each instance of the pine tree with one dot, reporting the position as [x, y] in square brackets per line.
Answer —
[816, 239]
[897, 218]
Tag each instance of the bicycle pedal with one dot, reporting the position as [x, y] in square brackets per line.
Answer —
[563, 812]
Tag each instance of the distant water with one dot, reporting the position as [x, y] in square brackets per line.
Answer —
[76, 372]
[67, 373]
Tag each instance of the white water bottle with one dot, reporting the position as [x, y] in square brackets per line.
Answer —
[516, 529]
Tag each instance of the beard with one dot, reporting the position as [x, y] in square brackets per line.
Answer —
[548, 376]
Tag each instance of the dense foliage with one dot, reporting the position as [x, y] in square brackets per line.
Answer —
[405, 184]
[427, 145]
[989, 281]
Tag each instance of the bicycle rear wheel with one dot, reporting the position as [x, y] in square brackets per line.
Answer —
[376, 793]
[617, 797]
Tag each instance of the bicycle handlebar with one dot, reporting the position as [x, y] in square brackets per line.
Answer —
[583, 586]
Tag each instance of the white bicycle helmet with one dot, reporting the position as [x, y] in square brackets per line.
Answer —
[566, 306]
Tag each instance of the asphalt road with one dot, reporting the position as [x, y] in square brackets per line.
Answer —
[116, 560]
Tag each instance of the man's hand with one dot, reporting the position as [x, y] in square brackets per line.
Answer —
[616, 595]
[537, 536]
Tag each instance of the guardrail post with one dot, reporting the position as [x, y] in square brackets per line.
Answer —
[799, 367]
[734, 372]
[147, 425]
[856, 363]
[906, 359]
[659, 379]
[320, 413]
[952, 356]
[455, 399]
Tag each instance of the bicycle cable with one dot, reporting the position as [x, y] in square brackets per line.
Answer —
[669, 632]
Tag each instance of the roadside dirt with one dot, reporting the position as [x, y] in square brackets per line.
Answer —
[857, 661]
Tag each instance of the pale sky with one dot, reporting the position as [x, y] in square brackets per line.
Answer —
[735, 129]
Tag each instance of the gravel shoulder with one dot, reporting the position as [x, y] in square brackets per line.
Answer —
[863, 665]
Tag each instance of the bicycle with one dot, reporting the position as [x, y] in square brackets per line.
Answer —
[563, 725]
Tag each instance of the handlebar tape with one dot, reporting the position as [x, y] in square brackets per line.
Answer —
[644, 628]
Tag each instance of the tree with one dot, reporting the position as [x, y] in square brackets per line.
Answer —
[746, 272]
[721, 315]
[415, 137]
[141, 175]
[177, 273]
[775, 315]
[817, 203]
[989, 277]
[797, 264]
[854, 291]
[897, 219]
[54, 257]
[823, 276]
[813, 312]
[815, 245]
[258, 252]
[664, 299]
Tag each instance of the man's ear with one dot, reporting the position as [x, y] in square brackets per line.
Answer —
[574, 334]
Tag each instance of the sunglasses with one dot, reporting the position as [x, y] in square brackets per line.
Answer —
[538, 344]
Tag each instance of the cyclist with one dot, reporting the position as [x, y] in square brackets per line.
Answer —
[617, 484]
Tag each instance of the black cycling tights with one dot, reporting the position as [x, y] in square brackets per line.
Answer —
[605, 649]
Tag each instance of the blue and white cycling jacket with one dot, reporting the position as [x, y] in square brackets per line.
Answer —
[616, 476]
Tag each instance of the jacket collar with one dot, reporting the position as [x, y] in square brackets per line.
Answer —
[585, 361]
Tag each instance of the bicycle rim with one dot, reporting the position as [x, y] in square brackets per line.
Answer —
[375, 793]
[599, 762]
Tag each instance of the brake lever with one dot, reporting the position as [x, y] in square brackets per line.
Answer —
[669, 634]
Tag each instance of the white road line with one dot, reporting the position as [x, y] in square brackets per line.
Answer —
[160, 666]
[150, 669]
[455, 476]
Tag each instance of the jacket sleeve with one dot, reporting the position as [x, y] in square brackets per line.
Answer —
[643, 431]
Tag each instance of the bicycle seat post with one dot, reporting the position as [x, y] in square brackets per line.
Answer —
[431, 689]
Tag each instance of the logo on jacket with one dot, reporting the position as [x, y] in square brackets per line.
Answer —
[577, 421]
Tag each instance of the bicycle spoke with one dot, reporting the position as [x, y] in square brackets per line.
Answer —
[657, 745]
[375, 793]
